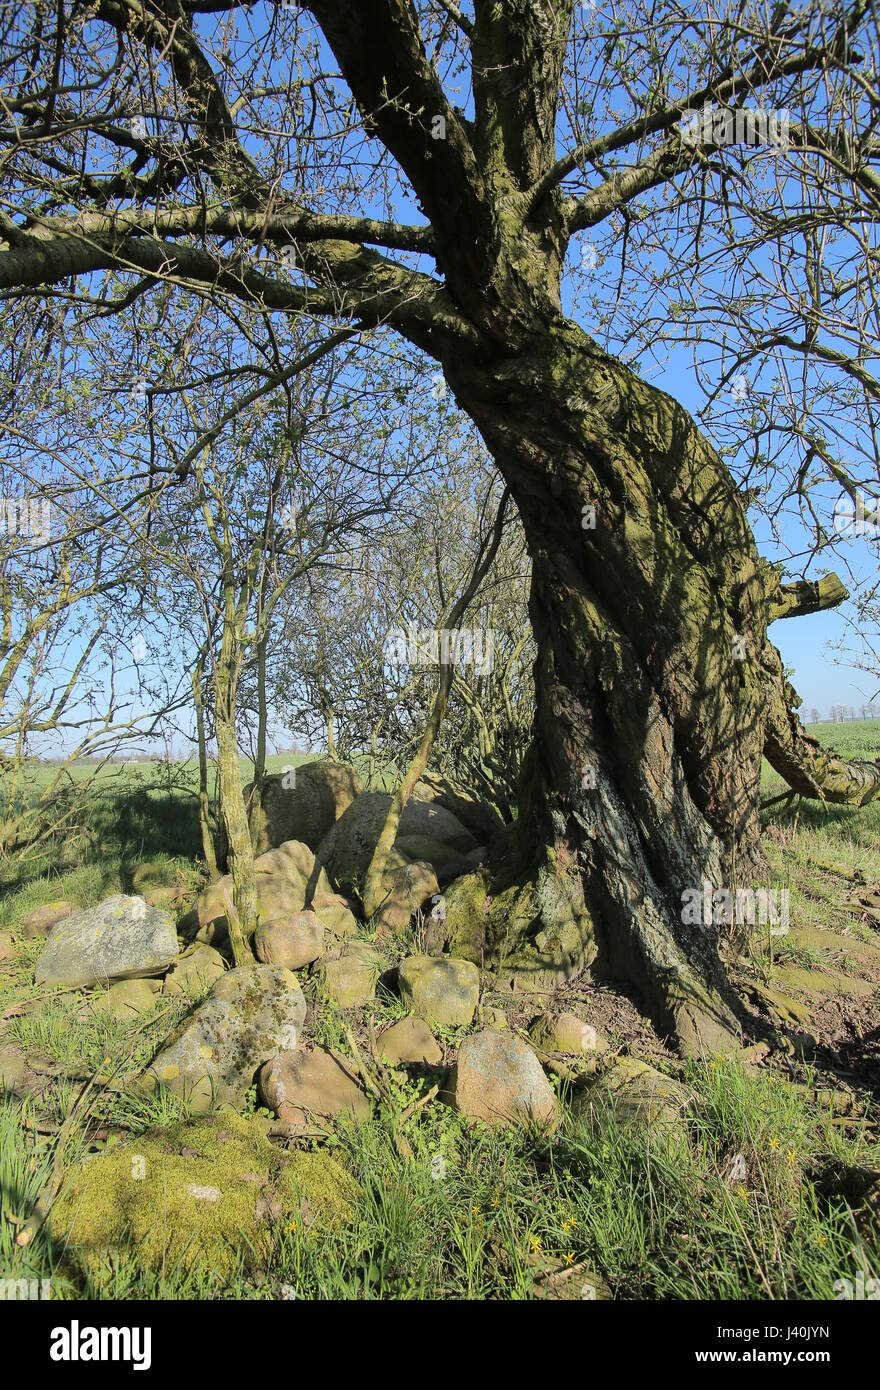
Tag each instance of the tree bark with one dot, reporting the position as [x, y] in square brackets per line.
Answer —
[256, 798]
[243, 921]
[208, 848]
[800, 760]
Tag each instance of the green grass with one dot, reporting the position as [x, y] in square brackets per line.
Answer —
[633, 1217]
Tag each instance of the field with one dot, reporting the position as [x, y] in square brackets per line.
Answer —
[767, 1188]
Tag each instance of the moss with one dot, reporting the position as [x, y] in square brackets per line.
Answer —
[199, 1192]
[532, 931]
[818, 983]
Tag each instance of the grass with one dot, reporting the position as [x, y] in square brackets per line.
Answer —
[508, 1216]
[753, 1201]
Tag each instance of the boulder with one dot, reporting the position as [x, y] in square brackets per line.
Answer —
[201, 1193]
[410, 1040]
[447, 863]
[476, 815]
[567, 1033]
[350, 978]
[406, 889]
[498, 1078]
[195, 972]
[122, 938]
[348, 848]
[302, 1087]
[292, 942]
[638, 1094]
[43, 919]
[7, 949]
[252, 1013]
[335, 914]
[441, 989]
[304, 804]
[126, 999]
[287, 880]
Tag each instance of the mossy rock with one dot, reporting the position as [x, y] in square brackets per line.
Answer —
[810, 938]
[533, 932]
[201, 1192]
[638, 1094]
[250, 1013]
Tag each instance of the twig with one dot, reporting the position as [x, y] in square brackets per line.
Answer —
[417, 1104]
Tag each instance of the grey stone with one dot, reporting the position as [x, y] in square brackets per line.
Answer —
[122, 938]
[348, 848]
[254, 1012]
[476, 815]
[303, 804]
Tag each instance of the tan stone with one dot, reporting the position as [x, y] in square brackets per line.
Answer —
[43, 919]
[498, 1078]
[410, 1040]
[302, 1087]
[292, 942]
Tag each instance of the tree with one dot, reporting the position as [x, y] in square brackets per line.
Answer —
[657, 689]
[487, 549]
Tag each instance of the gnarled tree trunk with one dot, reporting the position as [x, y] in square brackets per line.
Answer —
[648, 610]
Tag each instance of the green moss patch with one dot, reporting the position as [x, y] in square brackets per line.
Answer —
[207, 1191]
